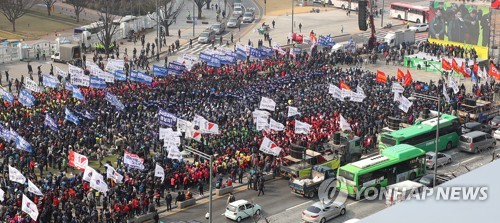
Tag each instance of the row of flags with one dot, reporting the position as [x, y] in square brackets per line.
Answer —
[467, 72]
[406, 79]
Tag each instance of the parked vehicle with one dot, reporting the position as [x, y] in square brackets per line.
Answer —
[66, 53]
[428, 179]
[496, 135]
[495, 122]
[238, 11]
[319, 212]
[396, 38]
[476, 142]
[218, 28]
[233, 22]
[248, 17]
[308, 186]
[475, 126]
[479, 110]
[442, 159]
[422, 27]
[241, 209]
[207, 36]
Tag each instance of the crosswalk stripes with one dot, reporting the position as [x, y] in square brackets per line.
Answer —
[197, 48]
[380, 34]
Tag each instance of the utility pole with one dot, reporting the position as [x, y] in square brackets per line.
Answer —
[382, 14]
[211, 158]
[192, 17]
[158, 27]
[293, 7]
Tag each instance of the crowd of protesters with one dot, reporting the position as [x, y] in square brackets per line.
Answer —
[226, 96]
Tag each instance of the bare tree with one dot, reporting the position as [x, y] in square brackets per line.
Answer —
[168, 12]
[78, 6]
[208, 3]
[200, 4]
[49, 4]
[109, 28]
[15, 9]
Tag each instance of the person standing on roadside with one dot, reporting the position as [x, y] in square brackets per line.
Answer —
[168, 200]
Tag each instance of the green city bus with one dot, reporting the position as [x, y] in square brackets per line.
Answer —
[423, 134]
[394, 164]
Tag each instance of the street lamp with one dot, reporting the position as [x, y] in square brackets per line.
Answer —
[211, 158]
[293, 7]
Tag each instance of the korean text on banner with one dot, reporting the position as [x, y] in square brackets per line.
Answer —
[133, 160]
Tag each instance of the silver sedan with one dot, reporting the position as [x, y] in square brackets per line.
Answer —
[320, 213]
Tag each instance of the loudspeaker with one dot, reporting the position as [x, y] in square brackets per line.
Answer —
[297, 151]
[362, 15]
[393, 123]
[336, 138]
[470, 102]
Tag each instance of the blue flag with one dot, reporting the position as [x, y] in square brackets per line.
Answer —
[22, 144]
[214, 62]
[68, 86]
[144, 78]
[113, 100]
[71, 117]
[4, 133]
[120, 75]
[6, 95]
[166, 118]
[50, 81]
[88, 115]
[98, 83]
[78, 94]
[205, 57]
[175, 67]
[159, 71]
[134, 76]
[26, 98]
[51, 123]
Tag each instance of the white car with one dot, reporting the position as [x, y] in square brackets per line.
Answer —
[241, 209]
[496, 134]
[442, 159]
[422, 27]
[320, 213]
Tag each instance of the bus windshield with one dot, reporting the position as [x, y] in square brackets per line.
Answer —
[347, 175]
[423, 134]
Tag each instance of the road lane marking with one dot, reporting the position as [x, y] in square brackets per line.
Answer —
[465, 161]
[355, 202]
[298, 205]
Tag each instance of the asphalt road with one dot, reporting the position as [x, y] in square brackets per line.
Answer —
[279, 205]
[277, 198]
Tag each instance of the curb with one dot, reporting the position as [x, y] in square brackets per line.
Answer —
[213, 198]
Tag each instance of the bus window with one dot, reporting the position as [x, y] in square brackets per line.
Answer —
[388, 141]
[347, 175]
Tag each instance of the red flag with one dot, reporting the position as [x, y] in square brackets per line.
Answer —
[445, 64]
[401, 75]
[454, 65]
[407, 79]
[77, 160]
[463, 71]
[476, 68]
[381, 77]
[494, 72]
[343, 85]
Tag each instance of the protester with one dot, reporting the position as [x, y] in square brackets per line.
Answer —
[226, 96]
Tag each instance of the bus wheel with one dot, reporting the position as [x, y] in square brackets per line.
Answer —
[413, 176]
[310, 194]
[448, 146]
